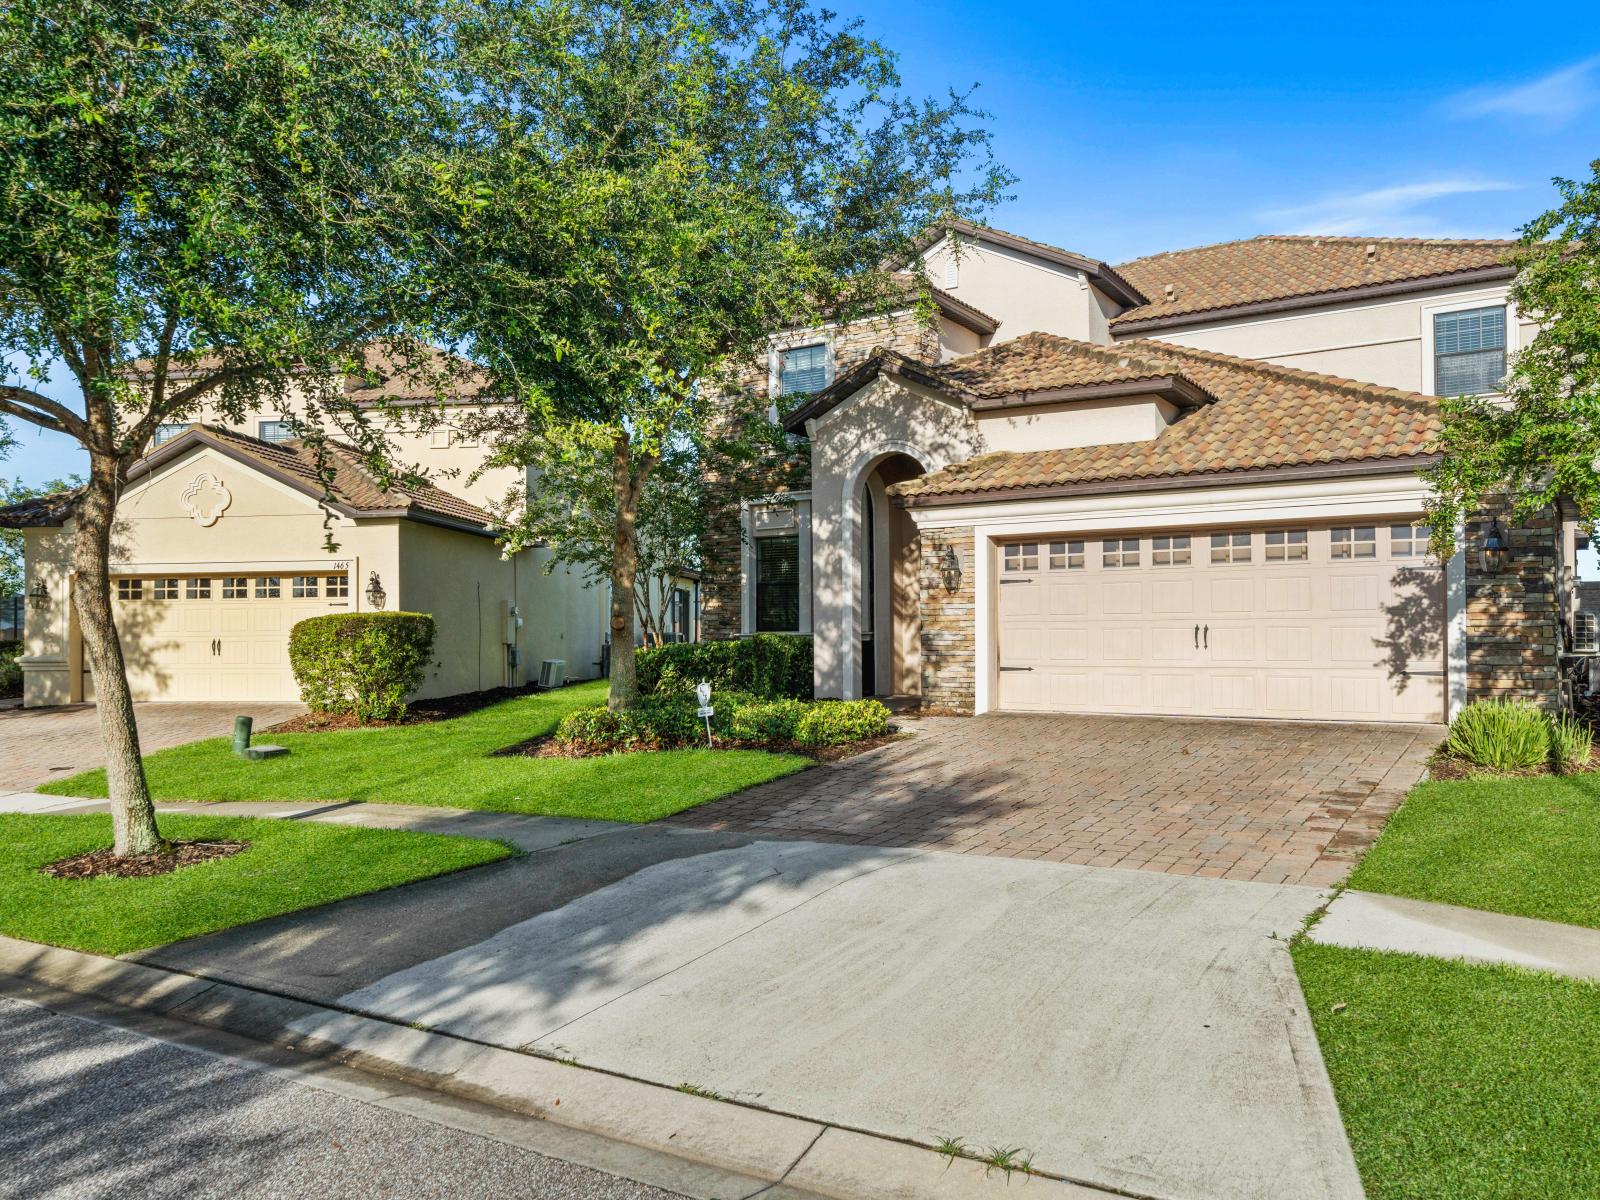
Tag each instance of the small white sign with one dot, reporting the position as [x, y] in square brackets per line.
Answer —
[705, 712]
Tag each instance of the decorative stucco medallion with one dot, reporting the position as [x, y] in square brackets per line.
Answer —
[207, 498]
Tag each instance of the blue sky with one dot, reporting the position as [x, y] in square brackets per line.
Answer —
[1140, 128]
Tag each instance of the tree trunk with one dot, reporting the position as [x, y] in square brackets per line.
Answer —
[624, 691]
[133, 816]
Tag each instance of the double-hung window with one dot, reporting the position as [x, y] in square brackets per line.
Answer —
[802, 369]
[167, 431]
[1469, 351]
[778, 584]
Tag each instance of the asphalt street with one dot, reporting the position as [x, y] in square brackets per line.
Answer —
[94, 1111]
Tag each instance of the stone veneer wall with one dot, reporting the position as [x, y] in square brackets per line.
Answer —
[948, 622]
[721, 597]
[1514, 618]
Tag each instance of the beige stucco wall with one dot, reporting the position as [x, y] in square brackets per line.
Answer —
[1062, 426]
[1025, 294]
[447, 454]
[469, 588]
[270, 528]
[1384, 341]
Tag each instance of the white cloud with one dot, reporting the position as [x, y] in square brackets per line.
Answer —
[1554, 98]
[1397, 211]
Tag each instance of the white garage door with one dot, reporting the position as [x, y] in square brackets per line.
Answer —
[217, 638]
[1343, 623]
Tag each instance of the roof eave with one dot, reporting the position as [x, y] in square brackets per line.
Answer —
[1395, 287]
[1396, 465]
[1174, 388]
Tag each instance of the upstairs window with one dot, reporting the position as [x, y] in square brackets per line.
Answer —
[802, 369]
[778, 584]
[275, 431]
[1469, 352]
[165, 433]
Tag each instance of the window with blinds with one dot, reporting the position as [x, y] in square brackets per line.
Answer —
[802, 369]
[778, 584]
[1469, 352]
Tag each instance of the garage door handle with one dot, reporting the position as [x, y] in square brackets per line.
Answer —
[1208, 637]
[1016, 668]
[1197, 637]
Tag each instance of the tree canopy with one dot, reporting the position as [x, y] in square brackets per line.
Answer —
[1541, 443]
[647, 189]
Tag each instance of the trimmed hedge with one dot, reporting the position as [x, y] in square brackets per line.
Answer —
[361, 663]
[772, 666]
[664, 721]
[10, 672]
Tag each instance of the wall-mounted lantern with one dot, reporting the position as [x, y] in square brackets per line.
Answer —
[950, 570]
[1496, 552]
[38, 594]
[376, 596]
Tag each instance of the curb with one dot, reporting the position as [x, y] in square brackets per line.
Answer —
[789, 1158]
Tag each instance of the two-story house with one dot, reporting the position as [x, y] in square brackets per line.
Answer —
[222, 543]
[1187, 484]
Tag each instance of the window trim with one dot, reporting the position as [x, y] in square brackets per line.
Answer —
[261, 426]
[1500, 298]
[800, 502]
[793, 341]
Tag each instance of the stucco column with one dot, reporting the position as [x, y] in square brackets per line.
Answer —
[833, 584]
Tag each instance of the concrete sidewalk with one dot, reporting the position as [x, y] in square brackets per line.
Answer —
[1366, 920]
[1136, 1031]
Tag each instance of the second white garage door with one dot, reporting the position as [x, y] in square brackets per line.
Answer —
[218, 637]
[1332, 623]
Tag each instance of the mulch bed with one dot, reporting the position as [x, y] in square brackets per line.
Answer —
[421, 712]
[1447, 767]
[546, 746]
[178, 853]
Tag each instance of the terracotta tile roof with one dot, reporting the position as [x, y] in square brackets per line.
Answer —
[1263, 416]
[50, 509]
[354, 488]
[1037, 362]
[1279, 267]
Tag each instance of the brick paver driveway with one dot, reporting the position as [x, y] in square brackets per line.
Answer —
[40, 744]
[1268, 801]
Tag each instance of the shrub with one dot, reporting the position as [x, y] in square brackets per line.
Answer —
[768, 720]
[10, 672]
[1507, 735]
[831, 722]
[1571, 742]
[660, 721]
[772, 666]
[361, 663]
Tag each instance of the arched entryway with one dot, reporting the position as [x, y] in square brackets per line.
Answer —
[888, 616]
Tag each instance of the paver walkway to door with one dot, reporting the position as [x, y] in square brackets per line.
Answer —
[1272, 802]
[41, 744]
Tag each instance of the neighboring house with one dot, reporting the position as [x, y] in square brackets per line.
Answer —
[1187, 484]
[220, 547]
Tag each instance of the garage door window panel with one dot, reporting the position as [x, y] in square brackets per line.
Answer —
[197, 589]
[235, 587]
[303, 587]
[269, 587]
[1170, 551]
[1409, 541]
[1349, 544]
[1119, 553]
[1019, 557]
[337, 587]
[163, 589]
[1228, 548]
[130, 589]
[1066, 556]
[1287, 545]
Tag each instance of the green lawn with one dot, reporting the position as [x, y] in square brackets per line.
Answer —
[290, 865]
[448, 763]
[1528, 847]
[1456, 1081]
